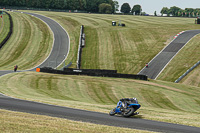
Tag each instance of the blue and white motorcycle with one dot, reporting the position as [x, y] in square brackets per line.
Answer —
[126, 107]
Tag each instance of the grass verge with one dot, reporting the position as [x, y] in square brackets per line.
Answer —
[161, 101]
[23, 122]
[29, 45]
[184, 60]
[125, 49]
[4, 26]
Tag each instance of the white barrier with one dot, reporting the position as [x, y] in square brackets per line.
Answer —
[188, 71]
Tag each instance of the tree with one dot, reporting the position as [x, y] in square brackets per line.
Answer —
[105, 8]
[189, 11]
[164, 10]
[87, 5]
[93, 5]
[155, 14]
[174, 10]
[125, 8]
[116, 5]
[136, 9]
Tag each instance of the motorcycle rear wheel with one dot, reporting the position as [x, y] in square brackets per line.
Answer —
[131, 110]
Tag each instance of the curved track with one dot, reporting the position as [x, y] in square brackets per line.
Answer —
[82, 115]
[157, 65]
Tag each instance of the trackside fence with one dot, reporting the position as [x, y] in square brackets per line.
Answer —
[80, 46]
[186, 73]
[9, 33]
[93, 72]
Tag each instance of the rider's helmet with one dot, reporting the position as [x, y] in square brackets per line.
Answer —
[135, 99]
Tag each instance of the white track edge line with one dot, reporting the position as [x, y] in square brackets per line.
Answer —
[160, 52]
[174, 56]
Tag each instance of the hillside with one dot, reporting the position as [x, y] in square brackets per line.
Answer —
[125, 49]
[4, 26]
[184, 60]
[162, 101]
[29, 45]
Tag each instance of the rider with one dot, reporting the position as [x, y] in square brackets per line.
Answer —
[123, 106]
[147, 65]
[128, 100]
[135, 100]
[15, 68]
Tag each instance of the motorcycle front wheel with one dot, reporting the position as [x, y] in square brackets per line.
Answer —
[112, 112]
[128, 112]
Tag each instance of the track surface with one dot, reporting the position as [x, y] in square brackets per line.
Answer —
[60, 48]
[166, 55]
[93, 117]
[81, 115]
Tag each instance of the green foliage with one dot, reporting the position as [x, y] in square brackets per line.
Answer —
[125, 8]
[105, 8]
[136, 9]
[164, 10]
[176, 11]
[87, 5]
[155, 14]
[116, 5]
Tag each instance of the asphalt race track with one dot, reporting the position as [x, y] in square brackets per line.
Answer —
[61, 43]
[92, 117]
[82, 115]
[60, 48]
[157, 65]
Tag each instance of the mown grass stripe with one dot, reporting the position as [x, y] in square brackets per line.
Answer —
[102, 94]
[5, 26]
[29, 45]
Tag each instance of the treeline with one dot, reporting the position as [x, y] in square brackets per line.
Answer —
[137, 9]
[84, 5]
[178, 12]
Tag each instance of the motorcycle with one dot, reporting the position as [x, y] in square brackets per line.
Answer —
[126, 107]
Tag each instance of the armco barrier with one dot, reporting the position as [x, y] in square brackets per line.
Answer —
[80, 46]
[95, 72]
[101, 71]
[186, 73]
[9, 33]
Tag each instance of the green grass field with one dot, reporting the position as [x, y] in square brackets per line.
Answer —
[23, 122]
[29, 45]
[4, 26]
[125, 49]
[184, 60]
[162, 101]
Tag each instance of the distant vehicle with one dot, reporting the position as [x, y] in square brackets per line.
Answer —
[164, 15]
[126, 107]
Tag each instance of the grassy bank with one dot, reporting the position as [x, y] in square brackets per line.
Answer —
[128, 48]
[4, 26]
[184, 60]
[160, 101]
[24, 122]
[72, 27]
[29, 45]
